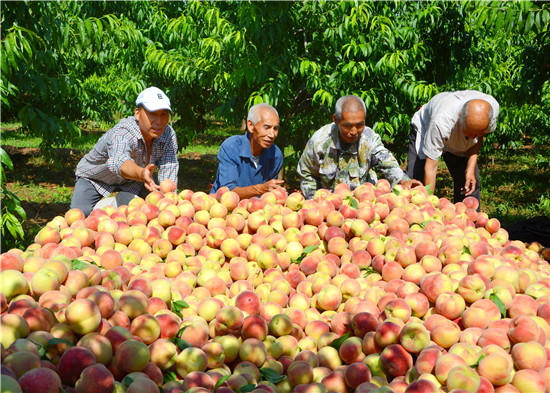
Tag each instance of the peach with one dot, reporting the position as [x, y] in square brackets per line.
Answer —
[99, 345]
[300, 373]
[329, 298]
[351, 350]
[189, 360]
[475, 317]
[463, 377]
[329, 357]
[254, 351]
[83, 316]
[434, 284]
[39, 380]
[529, 381]
[523, 329]
[73, 361]
[163, 353]
[414, 337]
[529, 355]
[21, 362]
[215, 354]
[387, 333]
[396, 360]
[450, 305]
[427, 359]
[131, 356]
[421, 386]
[13, 283]
[95, 379]
[356, 374]
[496, 368]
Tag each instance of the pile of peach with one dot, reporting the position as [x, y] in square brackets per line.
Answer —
[370, 290]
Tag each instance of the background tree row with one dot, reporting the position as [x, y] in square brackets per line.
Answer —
[65, 63]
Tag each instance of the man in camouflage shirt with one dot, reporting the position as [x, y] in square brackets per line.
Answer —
[346, 151]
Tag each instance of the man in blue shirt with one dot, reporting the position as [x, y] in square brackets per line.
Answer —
[249, 164]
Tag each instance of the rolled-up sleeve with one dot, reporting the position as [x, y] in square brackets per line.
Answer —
[308, 171]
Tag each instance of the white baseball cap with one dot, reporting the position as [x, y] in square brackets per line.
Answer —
[153, 99]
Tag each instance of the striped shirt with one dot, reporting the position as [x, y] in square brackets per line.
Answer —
[124, 142]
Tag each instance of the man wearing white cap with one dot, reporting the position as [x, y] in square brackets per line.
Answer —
[125, 158]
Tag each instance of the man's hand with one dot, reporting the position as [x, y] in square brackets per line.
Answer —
[258, 189]
[147, 178]
[271, 185]
[469, 185]
[410, 183]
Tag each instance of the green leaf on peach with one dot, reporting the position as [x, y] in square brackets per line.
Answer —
[220, 381]
[502, 308]
[170, 376]
[352, 201]
[246, 388]
[271, 375]
[336, 343]
[127, 380]
[55, 341]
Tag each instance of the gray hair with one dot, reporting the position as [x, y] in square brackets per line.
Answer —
[348, 102]
[466, 109]
[254, 112]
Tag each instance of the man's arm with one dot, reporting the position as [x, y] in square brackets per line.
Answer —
[258, 189]
[130, 170]
[430, 173]
[470, 184]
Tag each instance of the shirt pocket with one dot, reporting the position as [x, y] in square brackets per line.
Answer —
[328, 169]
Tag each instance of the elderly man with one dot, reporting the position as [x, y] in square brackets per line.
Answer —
[249, 164]
[452, 125]
[346, 151]
[125, 158]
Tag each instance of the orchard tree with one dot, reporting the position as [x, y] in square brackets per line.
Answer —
[64, 63]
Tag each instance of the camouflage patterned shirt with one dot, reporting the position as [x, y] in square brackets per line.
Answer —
[325, 162]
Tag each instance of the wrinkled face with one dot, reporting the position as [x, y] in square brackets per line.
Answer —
[351, 125]
[152, 124]
[265, 131]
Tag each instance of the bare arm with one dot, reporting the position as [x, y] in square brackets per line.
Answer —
[257, 189]
[410, 183]
[430, 172]
[130, 170]
[473, 152]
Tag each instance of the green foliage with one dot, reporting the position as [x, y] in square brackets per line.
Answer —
[67, 62]
[11, 206]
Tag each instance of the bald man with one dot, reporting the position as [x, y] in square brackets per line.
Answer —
[452, 125]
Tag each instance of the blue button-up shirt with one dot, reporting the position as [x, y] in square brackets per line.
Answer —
[236, 166]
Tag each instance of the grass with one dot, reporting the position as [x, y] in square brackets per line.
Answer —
[515, 183]
[40, 194]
